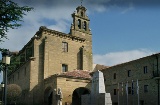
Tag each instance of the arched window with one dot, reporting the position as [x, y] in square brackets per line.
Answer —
[79, 23]
[82, 14]
[85, 26]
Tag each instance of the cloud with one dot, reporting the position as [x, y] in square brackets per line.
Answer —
[130, 7]
[56, 14]
[53, 14]
[55, 18]
[114, 58]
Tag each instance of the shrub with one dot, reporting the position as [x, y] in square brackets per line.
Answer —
[13, 93]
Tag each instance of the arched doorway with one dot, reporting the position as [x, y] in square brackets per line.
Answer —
[76, 96]
[48, 96]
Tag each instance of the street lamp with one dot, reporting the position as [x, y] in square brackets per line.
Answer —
[5, 62]
[2, 86]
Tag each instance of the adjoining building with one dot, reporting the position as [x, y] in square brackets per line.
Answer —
[135, 80]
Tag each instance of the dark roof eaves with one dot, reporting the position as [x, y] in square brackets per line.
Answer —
[54, 32]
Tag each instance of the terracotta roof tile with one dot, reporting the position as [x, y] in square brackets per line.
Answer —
[77, 74]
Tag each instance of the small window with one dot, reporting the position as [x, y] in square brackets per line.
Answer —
[115, 91]
[79, 23]
[64, 68]
[114, 75]
[129, 73]
[129, 90]
[64, 46]
[145, 88]
[145, 69]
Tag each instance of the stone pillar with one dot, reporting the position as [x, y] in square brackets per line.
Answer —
[98, 94]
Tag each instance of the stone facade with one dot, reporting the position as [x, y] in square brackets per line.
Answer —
[145, 70]
[68, 85]
[50, 52]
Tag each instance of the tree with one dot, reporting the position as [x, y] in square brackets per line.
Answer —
[13, 93]
[10, 14]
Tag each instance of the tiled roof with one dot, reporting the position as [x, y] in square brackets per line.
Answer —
[99, 67]
[77, 74]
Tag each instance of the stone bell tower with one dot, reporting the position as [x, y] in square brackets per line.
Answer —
[80, 25]
[80, 29]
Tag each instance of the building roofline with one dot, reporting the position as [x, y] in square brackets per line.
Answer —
[63, 75]
[59, 34]
[131, 61]
[21, 65]
[51, 32]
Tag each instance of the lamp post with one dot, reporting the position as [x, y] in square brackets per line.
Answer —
[5, 62]
[2, 86]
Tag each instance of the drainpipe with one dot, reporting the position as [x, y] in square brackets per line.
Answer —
[158, 79]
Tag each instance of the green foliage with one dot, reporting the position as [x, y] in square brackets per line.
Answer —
[29, 52]
[15, 62]
[10, 14]
[14, 92]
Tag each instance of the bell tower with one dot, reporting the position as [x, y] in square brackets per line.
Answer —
[80, 25]
[80, 29]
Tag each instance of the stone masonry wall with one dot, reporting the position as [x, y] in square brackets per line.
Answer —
[137, 72]
[68, 85]
[19, 77]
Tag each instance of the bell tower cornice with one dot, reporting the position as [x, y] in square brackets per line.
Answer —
[81, 13]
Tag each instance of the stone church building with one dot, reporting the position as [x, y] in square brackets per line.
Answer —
[52, 60]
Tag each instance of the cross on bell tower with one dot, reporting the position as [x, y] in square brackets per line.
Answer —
[80, 25]
[81, 2]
